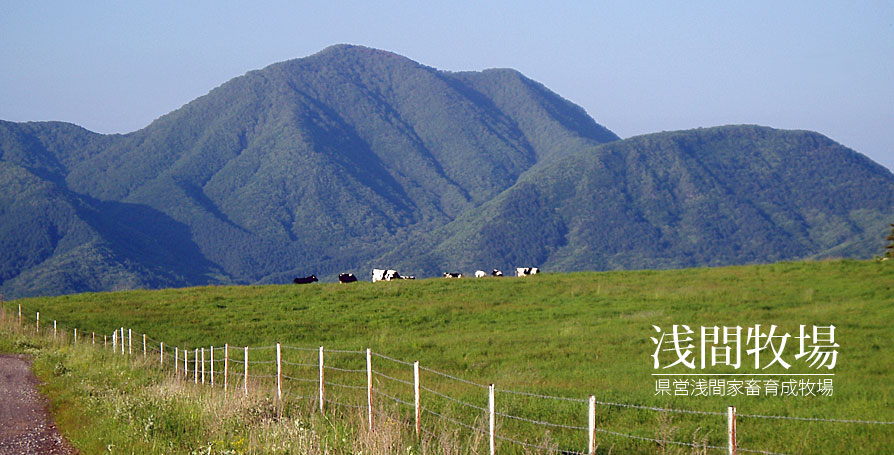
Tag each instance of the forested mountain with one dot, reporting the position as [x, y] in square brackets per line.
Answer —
[356, 157]
[716, 196]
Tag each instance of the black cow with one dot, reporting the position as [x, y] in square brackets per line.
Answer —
[305, 280]
[346, 278]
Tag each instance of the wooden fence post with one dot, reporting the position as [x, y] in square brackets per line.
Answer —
[130, 342]
[226, 365]
[245, 380]
[203, 365]
[490, 417]
[20, 315]
[54, 329]
[105, 341]
[144, 345]
[195, 368]
[731, 426]
[322, 382]
[278, 373]
[212, 367]
[94, 338]
[37, 327]
[75, 336]
[591, 428]
[417, 398]
[176, 361]
[369, 387]
[185, 364]
[122, 340]
[161, 353]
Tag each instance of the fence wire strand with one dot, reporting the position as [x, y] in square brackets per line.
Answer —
[452, 377]
[455, 400]
[383, 356]
[392, 378]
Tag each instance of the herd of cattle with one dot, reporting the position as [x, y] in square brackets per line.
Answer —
[388, 275]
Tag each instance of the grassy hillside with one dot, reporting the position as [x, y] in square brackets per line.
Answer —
[569, 335]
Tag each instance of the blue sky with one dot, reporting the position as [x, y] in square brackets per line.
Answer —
[636, 67]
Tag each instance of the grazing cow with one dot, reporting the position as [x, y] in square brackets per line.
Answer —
[346, 278]
[525, 271]
[411, 277]
[453, 275]
[480, 274]
[384, 275]
[305, 280]
[496, 273]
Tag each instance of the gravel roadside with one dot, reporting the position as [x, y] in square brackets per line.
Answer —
[25, 425]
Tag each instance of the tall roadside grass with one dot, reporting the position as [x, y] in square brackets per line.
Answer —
[106, 403]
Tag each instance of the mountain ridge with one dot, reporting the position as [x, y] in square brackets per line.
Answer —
[354, 158]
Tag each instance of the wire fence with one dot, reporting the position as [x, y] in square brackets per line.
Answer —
[312, 374]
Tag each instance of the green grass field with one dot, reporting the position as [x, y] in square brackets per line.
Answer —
[568, 335]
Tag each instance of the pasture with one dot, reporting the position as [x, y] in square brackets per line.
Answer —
[566, 335]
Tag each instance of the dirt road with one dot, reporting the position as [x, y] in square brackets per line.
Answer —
[25, 425]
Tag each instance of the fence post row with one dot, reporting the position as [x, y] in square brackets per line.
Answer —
[118, 336]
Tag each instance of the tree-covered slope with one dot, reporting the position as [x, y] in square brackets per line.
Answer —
[314, 165]
[725, 195]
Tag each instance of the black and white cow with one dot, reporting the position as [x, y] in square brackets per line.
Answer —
[453, 275]
[496, 273]
[385, 275]
[346, 278]
[525, 271]
[305, 280]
